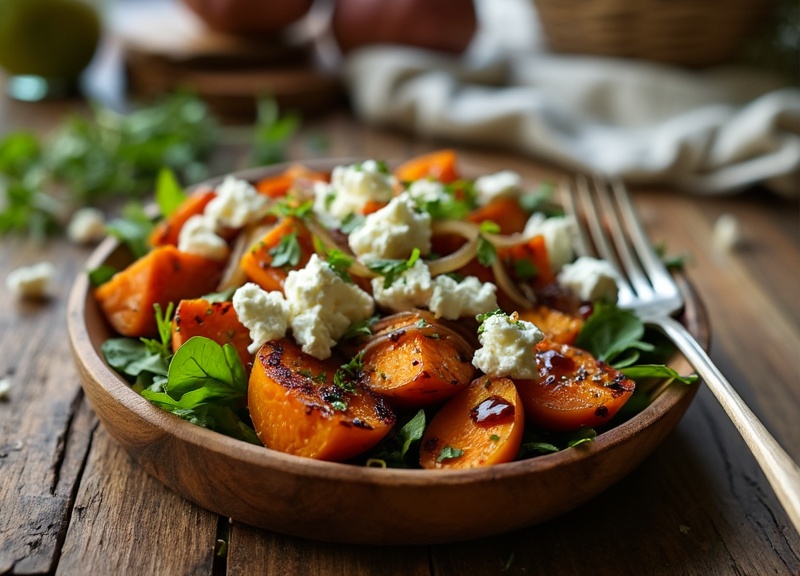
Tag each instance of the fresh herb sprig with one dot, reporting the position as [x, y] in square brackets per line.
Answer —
[392, 269]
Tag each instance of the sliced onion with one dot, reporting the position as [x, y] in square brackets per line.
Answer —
[233, 276]
[456, 260]
[356, 268]
[505, 284]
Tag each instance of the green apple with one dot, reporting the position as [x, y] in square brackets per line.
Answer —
[51, 38]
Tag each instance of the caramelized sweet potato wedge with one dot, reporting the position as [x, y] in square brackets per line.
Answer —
[559, 327]
[481, 426]
[573, 389]
[440, 165]
[215, 320]
[297, 408]
[162, 276]
[277, 186]
[505, 212]
[415, 360]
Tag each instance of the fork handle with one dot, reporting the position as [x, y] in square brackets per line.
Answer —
[781, 471]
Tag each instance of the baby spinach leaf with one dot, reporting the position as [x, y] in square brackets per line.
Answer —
[642, 371]
[611, 331]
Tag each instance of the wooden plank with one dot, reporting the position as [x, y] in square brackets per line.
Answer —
[254, 551]
[44, 431]
[125, 522]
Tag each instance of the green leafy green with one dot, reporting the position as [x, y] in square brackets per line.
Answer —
[487, 253]
[169, 193]
[642, 371]
[162, 346]
[358, 329]
[613, 335]
[449, 453]
[391, 269]
[101, 275]
[207, 385]
[541, 199]
[347, 375]
[287, 253]
[289, 208]
[132, 229]
[525, 269]
[88, 159]
[337, 260]
[396, 450]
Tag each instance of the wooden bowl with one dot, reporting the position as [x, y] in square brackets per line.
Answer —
[346, 503]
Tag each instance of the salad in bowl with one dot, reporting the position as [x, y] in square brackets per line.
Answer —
[404, 317]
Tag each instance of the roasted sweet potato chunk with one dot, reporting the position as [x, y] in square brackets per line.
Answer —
[162, 276]
[480, 426]
[573, 389]
[215, 320]
[415, 360]
[558, 326]
[297, 408]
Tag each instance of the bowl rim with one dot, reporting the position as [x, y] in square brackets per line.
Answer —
[88, 356]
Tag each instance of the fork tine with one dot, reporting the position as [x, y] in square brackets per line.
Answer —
[570, 200]
[593, 218]
[618, 227]
[659, 275]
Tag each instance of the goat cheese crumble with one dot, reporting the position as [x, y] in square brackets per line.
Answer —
[411, 289]
[393, 231]
[86, 226]
[354, 186]
[264, 314]
[590, 279]
[507, 347]
[198, 236]
[322, 306]
[557, 233]
[34, 281]
[236, 204]
[498, 185]
[469, 297]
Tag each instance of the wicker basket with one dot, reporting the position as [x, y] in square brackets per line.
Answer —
[686, 32]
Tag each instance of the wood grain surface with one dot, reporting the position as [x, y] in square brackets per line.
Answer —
[73, 502]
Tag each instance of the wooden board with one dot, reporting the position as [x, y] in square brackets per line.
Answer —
[166, 48]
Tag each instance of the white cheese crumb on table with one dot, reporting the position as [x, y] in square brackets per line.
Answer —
[32, 282]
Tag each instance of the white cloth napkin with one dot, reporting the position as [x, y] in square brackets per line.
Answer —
[709, 131]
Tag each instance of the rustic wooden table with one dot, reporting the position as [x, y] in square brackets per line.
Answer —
[72, 502]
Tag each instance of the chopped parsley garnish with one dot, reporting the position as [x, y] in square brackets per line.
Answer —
[484, 317]
[287, 252]
[449, 453]
[289, 208]
[357, 329]
[351, 222]
[347, 375]
[391, 269]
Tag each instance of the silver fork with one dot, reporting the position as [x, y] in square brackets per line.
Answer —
[646, 287]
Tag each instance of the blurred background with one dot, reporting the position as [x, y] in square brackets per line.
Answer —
[699, 95]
